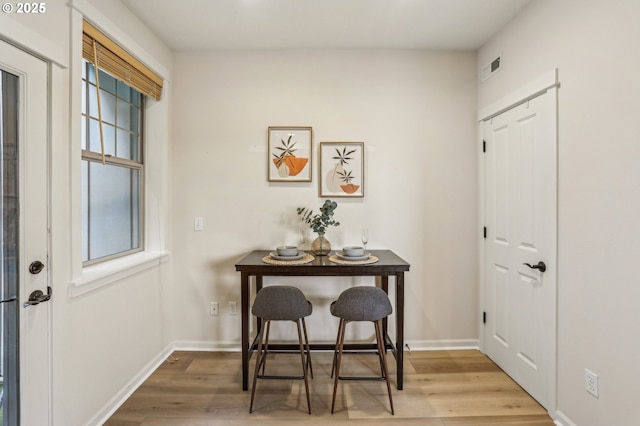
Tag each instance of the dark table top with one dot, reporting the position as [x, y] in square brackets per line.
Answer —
[388, 263]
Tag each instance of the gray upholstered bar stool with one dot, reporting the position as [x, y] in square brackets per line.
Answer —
[281, 303]
[361, 304]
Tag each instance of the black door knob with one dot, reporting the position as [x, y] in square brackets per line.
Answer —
[36, 267]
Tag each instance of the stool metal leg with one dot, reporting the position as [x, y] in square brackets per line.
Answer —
[266, 345]
[383, 361]
[335, 351]
[306, 340]
[258, 362]
[339, 348]
[304, 365]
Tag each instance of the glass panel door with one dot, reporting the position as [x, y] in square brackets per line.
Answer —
[24, 174]
[9, 395]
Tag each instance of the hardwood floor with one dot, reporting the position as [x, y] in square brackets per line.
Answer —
[441, 388]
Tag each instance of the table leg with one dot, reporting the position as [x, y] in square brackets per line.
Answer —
[244, 302]
[384, 285]
[258, 288]
[400, 327]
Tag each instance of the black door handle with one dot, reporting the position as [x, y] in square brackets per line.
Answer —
[541, 266]
[37, 297]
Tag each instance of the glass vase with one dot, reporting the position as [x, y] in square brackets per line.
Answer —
[321, 246]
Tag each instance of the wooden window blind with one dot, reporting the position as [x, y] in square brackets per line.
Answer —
[119, 63]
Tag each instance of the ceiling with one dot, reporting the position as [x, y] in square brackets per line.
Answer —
[193, 25]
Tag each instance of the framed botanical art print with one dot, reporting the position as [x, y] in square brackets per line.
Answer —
[289, 154]
[341, 169]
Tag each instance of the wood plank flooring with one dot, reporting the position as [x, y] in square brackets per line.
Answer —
[441, 388]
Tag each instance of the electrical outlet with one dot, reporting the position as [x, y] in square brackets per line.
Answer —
[198, 223]
[591, 382]
[233, 308]
[213, 309]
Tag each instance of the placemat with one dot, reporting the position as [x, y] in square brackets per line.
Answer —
[308, 257]
[336, 259]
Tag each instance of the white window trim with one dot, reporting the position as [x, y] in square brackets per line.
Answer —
[102, 274]
[90, 278]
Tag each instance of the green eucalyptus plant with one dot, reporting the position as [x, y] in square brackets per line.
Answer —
[320, 221]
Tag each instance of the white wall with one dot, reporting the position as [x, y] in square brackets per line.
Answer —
[414, 111]
[594, 44]
[104, 338]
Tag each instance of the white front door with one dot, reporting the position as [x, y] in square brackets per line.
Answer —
[520, 213]
[25, 196]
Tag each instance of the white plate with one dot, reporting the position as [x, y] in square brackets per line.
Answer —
[296, 257]
[342, 256]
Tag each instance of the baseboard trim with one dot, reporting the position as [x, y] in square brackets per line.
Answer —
[110, 407]
[562, 420]
[441, 345]
[414, 345]
[187, 345]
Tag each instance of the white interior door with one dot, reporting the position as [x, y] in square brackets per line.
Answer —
[520, 214]
[27, 115]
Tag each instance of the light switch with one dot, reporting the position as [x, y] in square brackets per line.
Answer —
[198, 223]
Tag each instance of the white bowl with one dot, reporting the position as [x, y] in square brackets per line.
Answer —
[287, 250]
[353, 251]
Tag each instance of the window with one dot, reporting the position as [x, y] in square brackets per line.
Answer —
[111, 189]
[115, 86]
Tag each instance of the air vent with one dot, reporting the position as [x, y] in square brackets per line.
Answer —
[490, 69]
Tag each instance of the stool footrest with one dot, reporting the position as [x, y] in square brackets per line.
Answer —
[360, 352]
[283, 351]
[280, 377]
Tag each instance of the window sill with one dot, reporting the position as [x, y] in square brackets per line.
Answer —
[97, 276]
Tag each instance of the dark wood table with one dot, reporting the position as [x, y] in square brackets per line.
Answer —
[389, 264]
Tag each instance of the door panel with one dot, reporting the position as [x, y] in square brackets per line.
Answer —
[520, 211]
[500, 184]
[501, 323]
[33, 321]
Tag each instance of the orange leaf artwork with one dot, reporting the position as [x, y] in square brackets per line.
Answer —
[350, 188]
[289, 154]
[294, 164]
